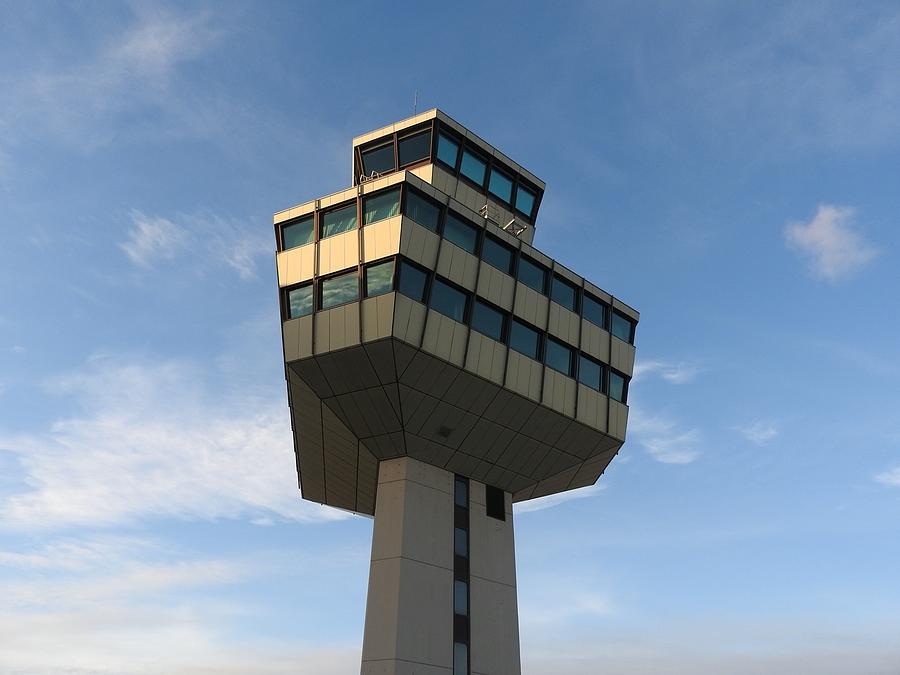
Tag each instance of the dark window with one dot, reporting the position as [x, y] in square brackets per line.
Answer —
[497, 254]
[563, 292]
[460, 598]
[447, 150]
[593, 310]
[448, 300]
[458, 231]
[473, 167]
[524, 201]
[338, 221]
[590, 373]
[487, 320]
[622, 328]
[338, 290]
[532, 274]
[381, 205]
[379, 278]
[618, 387]
[495, 502]
[559, 357]
[524, 339]
[462, 493]
[461, 542]
[378, 159]
[414, 148]
[460, 658]
[300, 301]
[298, 233]
[412, 282]
[422, 210]
[500, 185]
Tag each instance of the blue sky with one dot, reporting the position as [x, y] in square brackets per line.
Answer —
[729, 169]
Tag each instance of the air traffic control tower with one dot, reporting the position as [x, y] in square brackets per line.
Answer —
[439, 369]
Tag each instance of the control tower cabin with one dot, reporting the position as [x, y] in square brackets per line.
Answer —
[439, 369]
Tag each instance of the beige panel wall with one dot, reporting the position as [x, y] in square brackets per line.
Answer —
[297, 334]
[377, 317]
[339, 252]
[469, 197]
[594, 341]
[563, 324]
[457, 265]
[591, 408]
[559, 392]
[618, 419]
[443, 180]
[381, 239]
[445, 338]
[496, 286]
[418, 243]
[486, 357]
[622, 357]
[337, 328]
[523, 375]
[531, 305]
[409, 320]
[296, 265]
[626, 309]
[424, 172]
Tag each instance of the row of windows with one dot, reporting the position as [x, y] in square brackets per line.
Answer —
[450, 300]
[469, 237]
[461, 632]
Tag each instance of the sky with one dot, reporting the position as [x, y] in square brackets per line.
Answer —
[729, 169]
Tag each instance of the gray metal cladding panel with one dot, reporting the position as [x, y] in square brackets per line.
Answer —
[403, 354]
[381, 356]
[430, 375]
[366, 480]
[428, 451]
[510, 409]
[386, 446]
[348, 370]
[462, 463]
[471, 393]
[312, 375]
[579, 439]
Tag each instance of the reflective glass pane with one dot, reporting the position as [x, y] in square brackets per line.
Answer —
[622, 328]
[297, 234]
[460, 659]
[447, 150]
[461, 598]
[524, 339]
[473, 167]
[338, 290]
[422, 210]
[524, 200]
[378, 160]
[500, 186]
[590, 373]
[461, 542]
[563, 293]
[448, 300]
[379, 278]
[412, 282]
[461, 233]
[532, 274]
[414, 148]
[462, 493]
[300, 301]
[497, 254]
[487, 320]
[340, 220]
[593, 310]
[559, 357]
[616, 387]
[381, 205]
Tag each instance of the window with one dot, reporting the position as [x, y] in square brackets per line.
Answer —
[300, 301]
[458, 231]
[338, 221]
[473, 167]
[298, 233]
[495, 503]
[379, 278]
[460, 598]
[559, 357]
[500, 185]
[618, 387]
[448, 300]
[524, 201]
[563, 292]
[378, 159]
[414, 148]
[590, 373]
[622, 328]
[525, 339]
[462, 493]
[593, 310]
[447, 151]
[460, 658]
[412, 281]
[487, 320]
[340, 289]
[532, 274]
[461, 542]
[422, 210]
[498, 255]
[381, 205]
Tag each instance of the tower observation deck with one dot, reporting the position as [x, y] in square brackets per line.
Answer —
[440, 368]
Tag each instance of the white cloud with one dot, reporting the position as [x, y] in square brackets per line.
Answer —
[831, 242]
[890, 477]
[151, 239]
[681, 372]
[550, 501]
[664, 438]
[760, 432]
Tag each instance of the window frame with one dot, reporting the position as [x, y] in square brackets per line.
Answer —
[406, 134]
[321, 213]
[479, 155]
[426, 289]
[512, 253]
[529, 259]
[365, 276]
[604, 306]
[286, 303]
[504, 319]
[476, 248]
[442, 208]
[631, 323]
[572, 350]
[576, 295]
[625, 385]
[467, 295]
[597, 362]
[296, 221]
[320, 291]
[380, 193]
[541, 338]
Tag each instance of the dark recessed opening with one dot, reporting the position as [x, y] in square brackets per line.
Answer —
[493, 497]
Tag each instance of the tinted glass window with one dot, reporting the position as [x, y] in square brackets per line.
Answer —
[381, 205]
[590, 373]
[412, 282]
[338, 290]
[462, 493]
[448, 300]
[461, 233]
[500, 186]
[447, 150]
[379, 278]
[622, 328]
[339, 220]
[460, 658]
[495, 502]
[563, 292]
[460, 598]
[487, 320]
[559, 357]
[422, 210]
[617, 389]
[378, 159]
[497, 254]
[593, 310]
[297, 234]
[524, 339]
[524, 200]
[473, 167]
[414, 148]
[300, 301]
[532, 274]
[461, 542]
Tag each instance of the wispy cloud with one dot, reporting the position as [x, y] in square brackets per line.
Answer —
[665, 438]
[674, 372]
[890, 477]
[550, 501]
[831, 243]
[759, 432]
[151, 239]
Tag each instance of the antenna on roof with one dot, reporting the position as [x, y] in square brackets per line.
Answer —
[416, 102]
